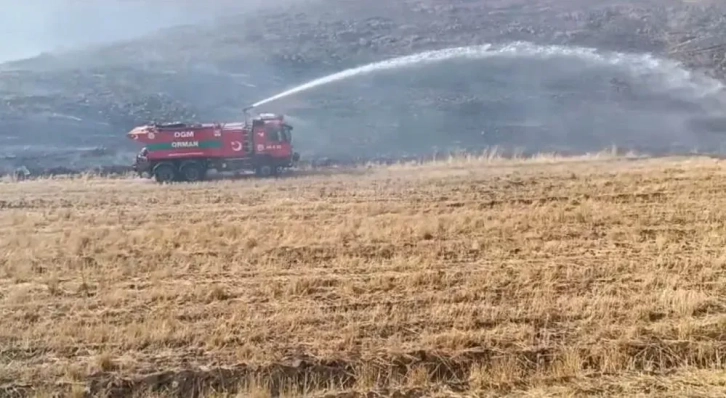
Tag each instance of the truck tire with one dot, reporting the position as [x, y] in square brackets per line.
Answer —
[164, 173]
[265, 171]
[193, 171]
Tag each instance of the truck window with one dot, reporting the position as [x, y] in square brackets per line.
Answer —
[278, 132]
[287, 133]
[273, 134]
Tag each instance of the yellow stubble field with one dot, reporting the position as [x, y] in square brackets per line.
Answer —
[468, 277]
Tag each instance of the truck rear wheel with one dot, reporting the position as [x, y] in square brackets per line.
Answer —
[164, 173]
[193, 172]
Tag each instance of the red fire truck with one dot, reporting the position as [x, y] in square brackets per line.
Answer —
[185, 152]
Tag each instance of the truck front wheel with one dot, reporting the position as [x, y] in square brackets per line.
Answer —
[164, 173]
[265, 171]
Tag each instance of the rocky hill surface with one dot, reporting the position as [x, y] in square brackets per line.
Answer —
[91, 97]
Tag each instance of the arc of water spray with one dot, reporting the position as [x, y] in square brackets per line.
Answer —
[675, 75]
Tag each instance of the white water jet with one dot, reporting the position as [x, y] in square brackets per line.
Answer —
[671, 75]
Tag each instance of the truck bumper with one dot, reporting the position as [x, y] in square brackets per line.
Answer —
[287, 162]
[294, 159]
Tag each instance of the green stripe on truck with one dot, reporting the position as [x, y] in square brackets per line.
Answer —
[170, 146]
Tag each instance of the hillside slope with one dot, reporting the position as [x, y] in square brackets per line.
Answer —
[92, 96]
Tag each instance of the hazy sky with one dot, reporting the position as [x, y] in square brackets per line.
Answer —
[28, 27]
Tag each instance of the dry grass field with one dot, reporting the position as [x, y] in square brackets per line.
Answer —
[482, 277]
